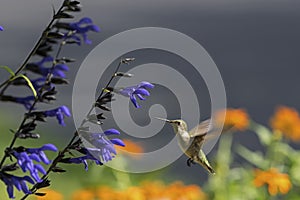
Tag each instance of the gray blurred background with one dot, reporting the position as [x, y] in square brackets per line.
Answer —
[255, 44]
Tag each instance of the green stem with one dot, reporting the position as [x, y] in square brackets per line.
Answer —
[122, 177]
[223, 159]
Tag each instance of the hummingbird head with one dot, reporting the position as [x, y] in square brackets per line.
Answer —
[178, 124]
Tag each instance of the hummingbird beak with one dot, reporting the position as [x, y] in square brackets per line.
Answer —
[166, 120]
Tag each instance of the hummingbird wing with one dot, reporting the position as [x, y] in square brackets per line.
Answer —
[199, 132]
[202, 129]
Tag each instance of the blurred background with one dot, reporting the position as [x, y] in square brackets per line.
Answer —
[255, 45]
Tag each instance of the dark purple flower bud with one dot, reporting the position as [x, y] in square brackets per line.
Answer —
[59, 113]
[139, 90]
[127, 60]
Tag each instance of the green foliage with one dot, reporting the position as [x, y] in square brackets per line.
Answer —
[28, 82]
[10, 71]
[238, 182]
[13, 77]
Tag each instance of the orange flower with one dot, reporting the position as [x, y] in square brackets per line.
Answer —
[107, 193]
[85, 194]
[50, 195]
[277, 182]
[179, 191]
[237, 118]
[147, 191]
[153, 190]
[174, 191]
[130, 148]
[135, 193]
[287, 121]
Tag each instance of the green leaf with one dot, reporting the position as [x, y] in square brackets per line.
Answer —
[255, 158]
[8, 70]
[263, 133]
[28, 83]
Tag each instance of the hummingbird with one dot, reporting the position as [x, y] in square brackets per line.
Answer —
[191, 141]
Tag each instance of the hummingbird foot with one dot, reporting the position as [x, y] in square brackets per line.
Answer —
[190, 161]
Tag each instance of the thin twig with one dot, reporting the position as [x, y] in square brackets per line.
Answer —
[33, 51]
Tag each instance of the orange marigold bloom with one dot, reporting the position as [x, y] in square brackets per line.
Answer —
[135, 193]
[287, 121]
[237, 118]
[50, 195]
[174, 191]
[107, 193]
[85, 194]
[152, 191]
[130, 147]
[277, 182]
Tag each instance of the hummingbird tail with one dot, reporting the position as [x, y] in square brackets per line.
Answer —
[202, 160]
[207, 167]
[210, 170]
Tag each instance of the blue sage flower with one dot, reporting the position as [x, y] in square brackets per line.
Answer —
[59, 113]
[19, 182]
[83, 159]
[139, 90]
[26, 101]
[102, 149]
[38, 83]
[59, 70]
[40, 68]
[81, 27]
[25, 162]
[1, 28]
[39, 154]
[26, 156]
